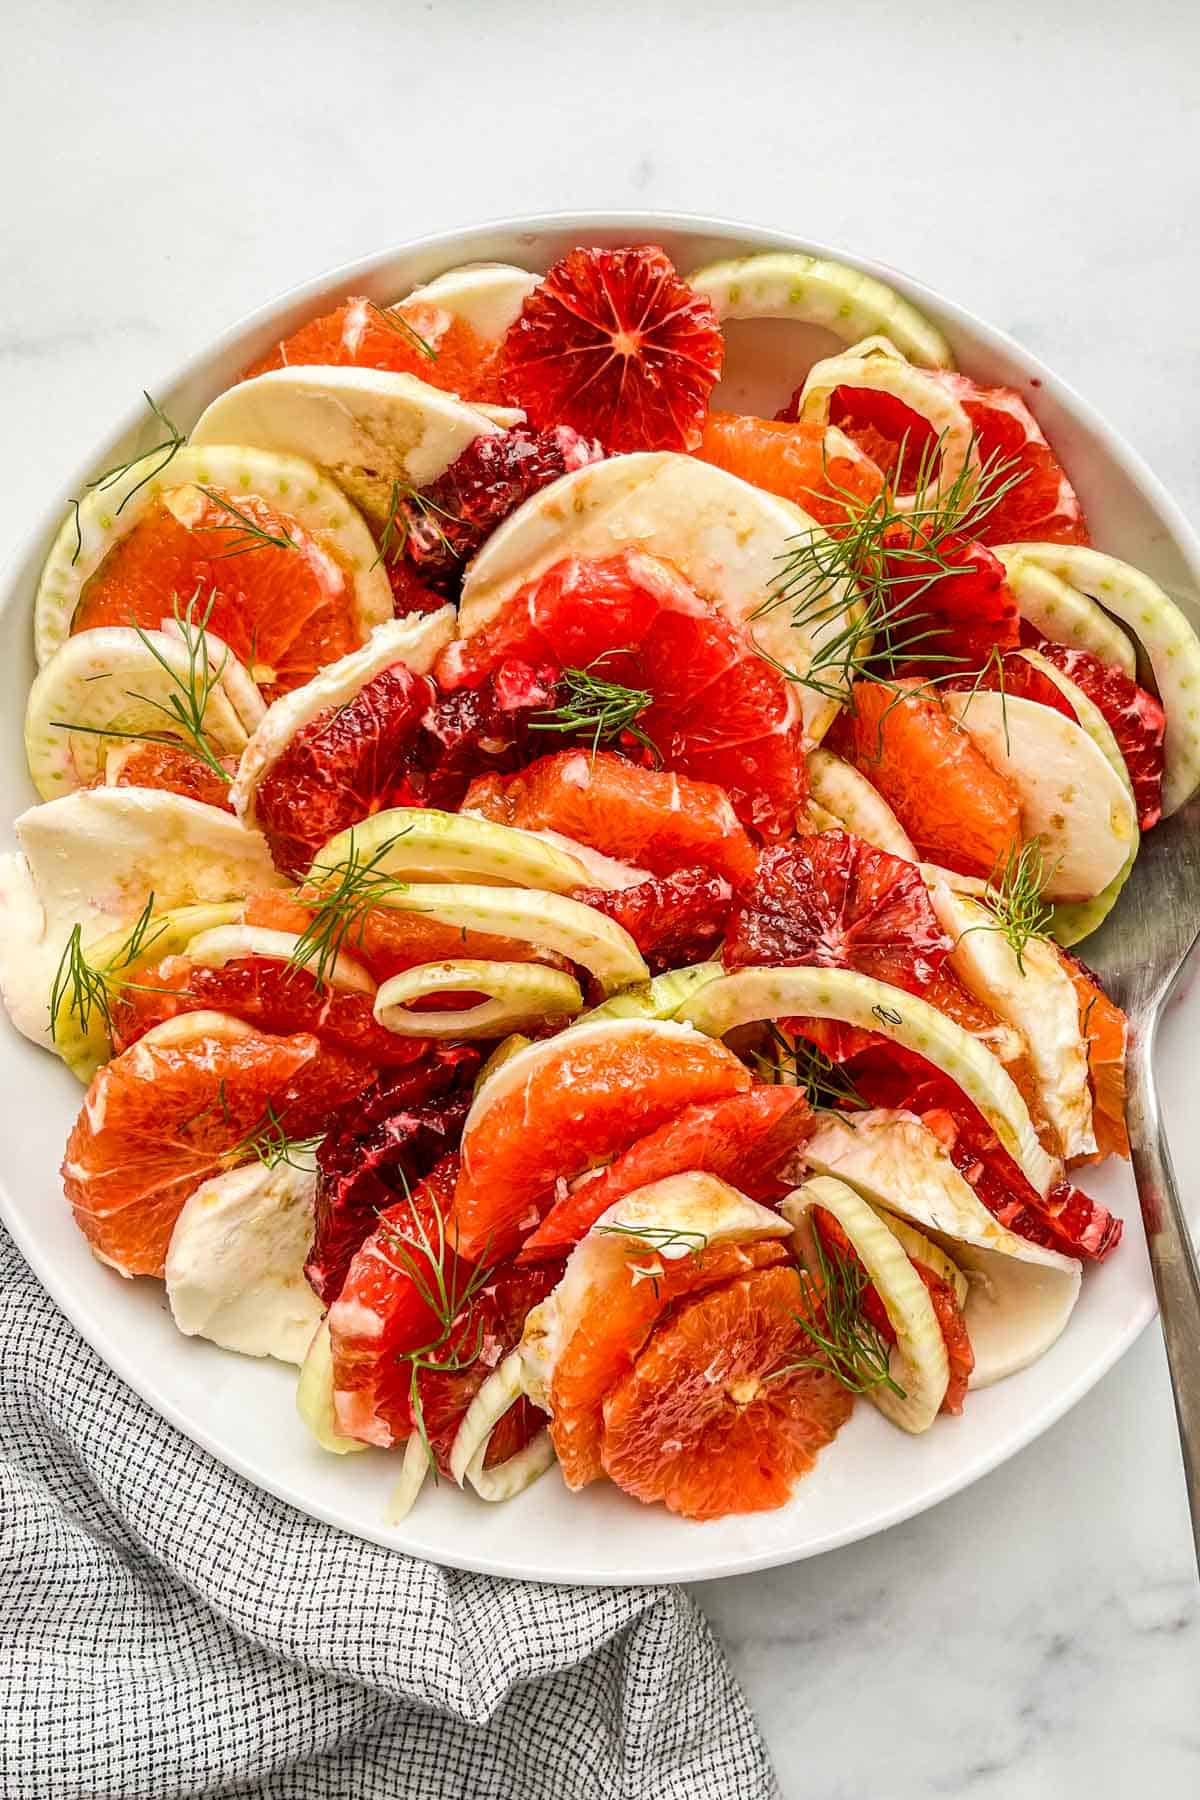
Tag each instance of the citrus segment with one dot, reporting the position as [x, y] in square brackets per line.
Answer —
[411, 338]
[278, 599]
[614, 344]
[611, 1327]
[959, 811]
[1105, 1032]
[647, 817]
[675, 920]
[743, 1139]
[171, 767]
[822, 471]
[271, 995]
[712, 1419]
[563, 1107]
[1135, 718]
[173, 1110]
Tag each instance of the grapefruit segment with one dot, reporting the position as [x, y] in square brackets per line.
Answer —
[646, 817]
[958, 810]
[561, 1107]
[414, 337]
[173, 1109]
[820, 470]
[742, 1139]
[713, 1418]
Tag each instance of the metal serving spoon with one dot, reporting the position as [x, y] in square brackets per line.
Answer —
[1141, 950]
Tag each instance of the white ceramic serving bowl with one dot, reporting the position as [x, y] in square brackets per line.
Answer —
[242, 1410]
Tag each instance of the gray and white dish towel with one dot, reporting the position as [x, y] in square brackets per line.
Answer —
[166, 1630]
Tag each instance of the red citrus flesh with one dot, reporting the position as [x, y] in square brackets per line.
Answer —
[360, 334]
[613, 343]
[647, 817]
[347, 763]
[1041, 505]
[713, 709]
[170, 767]
[265, 992]
[711, 1420]
[577, 1106]
[957, 809]
[675, 920]
[609, 1333]
[284, 609]
[742, 1139]
[160, 1119]
[832, 901]
[1136, 720]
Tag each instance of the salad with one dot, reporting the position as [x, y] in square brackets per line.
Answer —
[565, 899]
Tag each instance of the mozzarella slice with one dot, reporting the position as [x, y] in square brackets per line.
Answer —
[93, 858]
[485, 296]
[414, 642]
[1021, 1295]
[1034, 994]
[1070, 796]
[235, 1263]
[103, 687]
[339, 538]
[730, 541]
[365, 429]
[670, 1219]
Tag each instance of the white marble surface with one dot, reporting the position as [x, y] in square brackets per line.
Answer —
[168, 168]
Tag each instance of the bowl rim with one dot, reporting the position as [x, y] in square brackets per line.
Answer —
[456, 242]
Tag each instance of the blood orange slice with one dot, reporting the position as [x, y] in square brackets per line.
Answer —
[799, 461]
[564, 1106]
[742, 1139]
[655, 820]
[377, 1149]
[832, 901]
[278, 598]
[415, 1323]
[1136, 720]
[419, 340]
[675, 920]
[352, 760]
[1042, 504]
[173, 1109]
[614, 344]
[269, 994]
[958, 810]
[171, 767]
[1015, 675]
[711, 706]
[712, 1419]
[608, 1334]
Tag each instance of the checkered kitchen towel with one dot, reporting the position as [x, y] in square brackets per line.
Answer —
[167, 1630]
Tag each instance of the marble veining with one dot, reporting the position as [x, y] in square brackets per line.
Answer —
[1036, 1638]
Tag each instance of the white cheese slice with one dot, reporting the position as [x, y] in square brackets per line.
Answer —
[235, 1263]
[93, 858]
[485, 296]
[366, 429]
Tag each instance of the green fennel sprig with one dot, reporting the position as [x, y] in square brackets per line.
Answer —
[348, 890]
[187, 700]
[1014, 896]
[245, 533]
[597, 709]
[794, 1062]
[165, 451]
[85, 988]
[270, 1143]
[444, 1290]
[395, 321]
[845, 1341]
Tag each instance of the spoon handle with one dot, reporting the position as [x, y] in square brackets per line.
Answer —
[1172, 1253]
